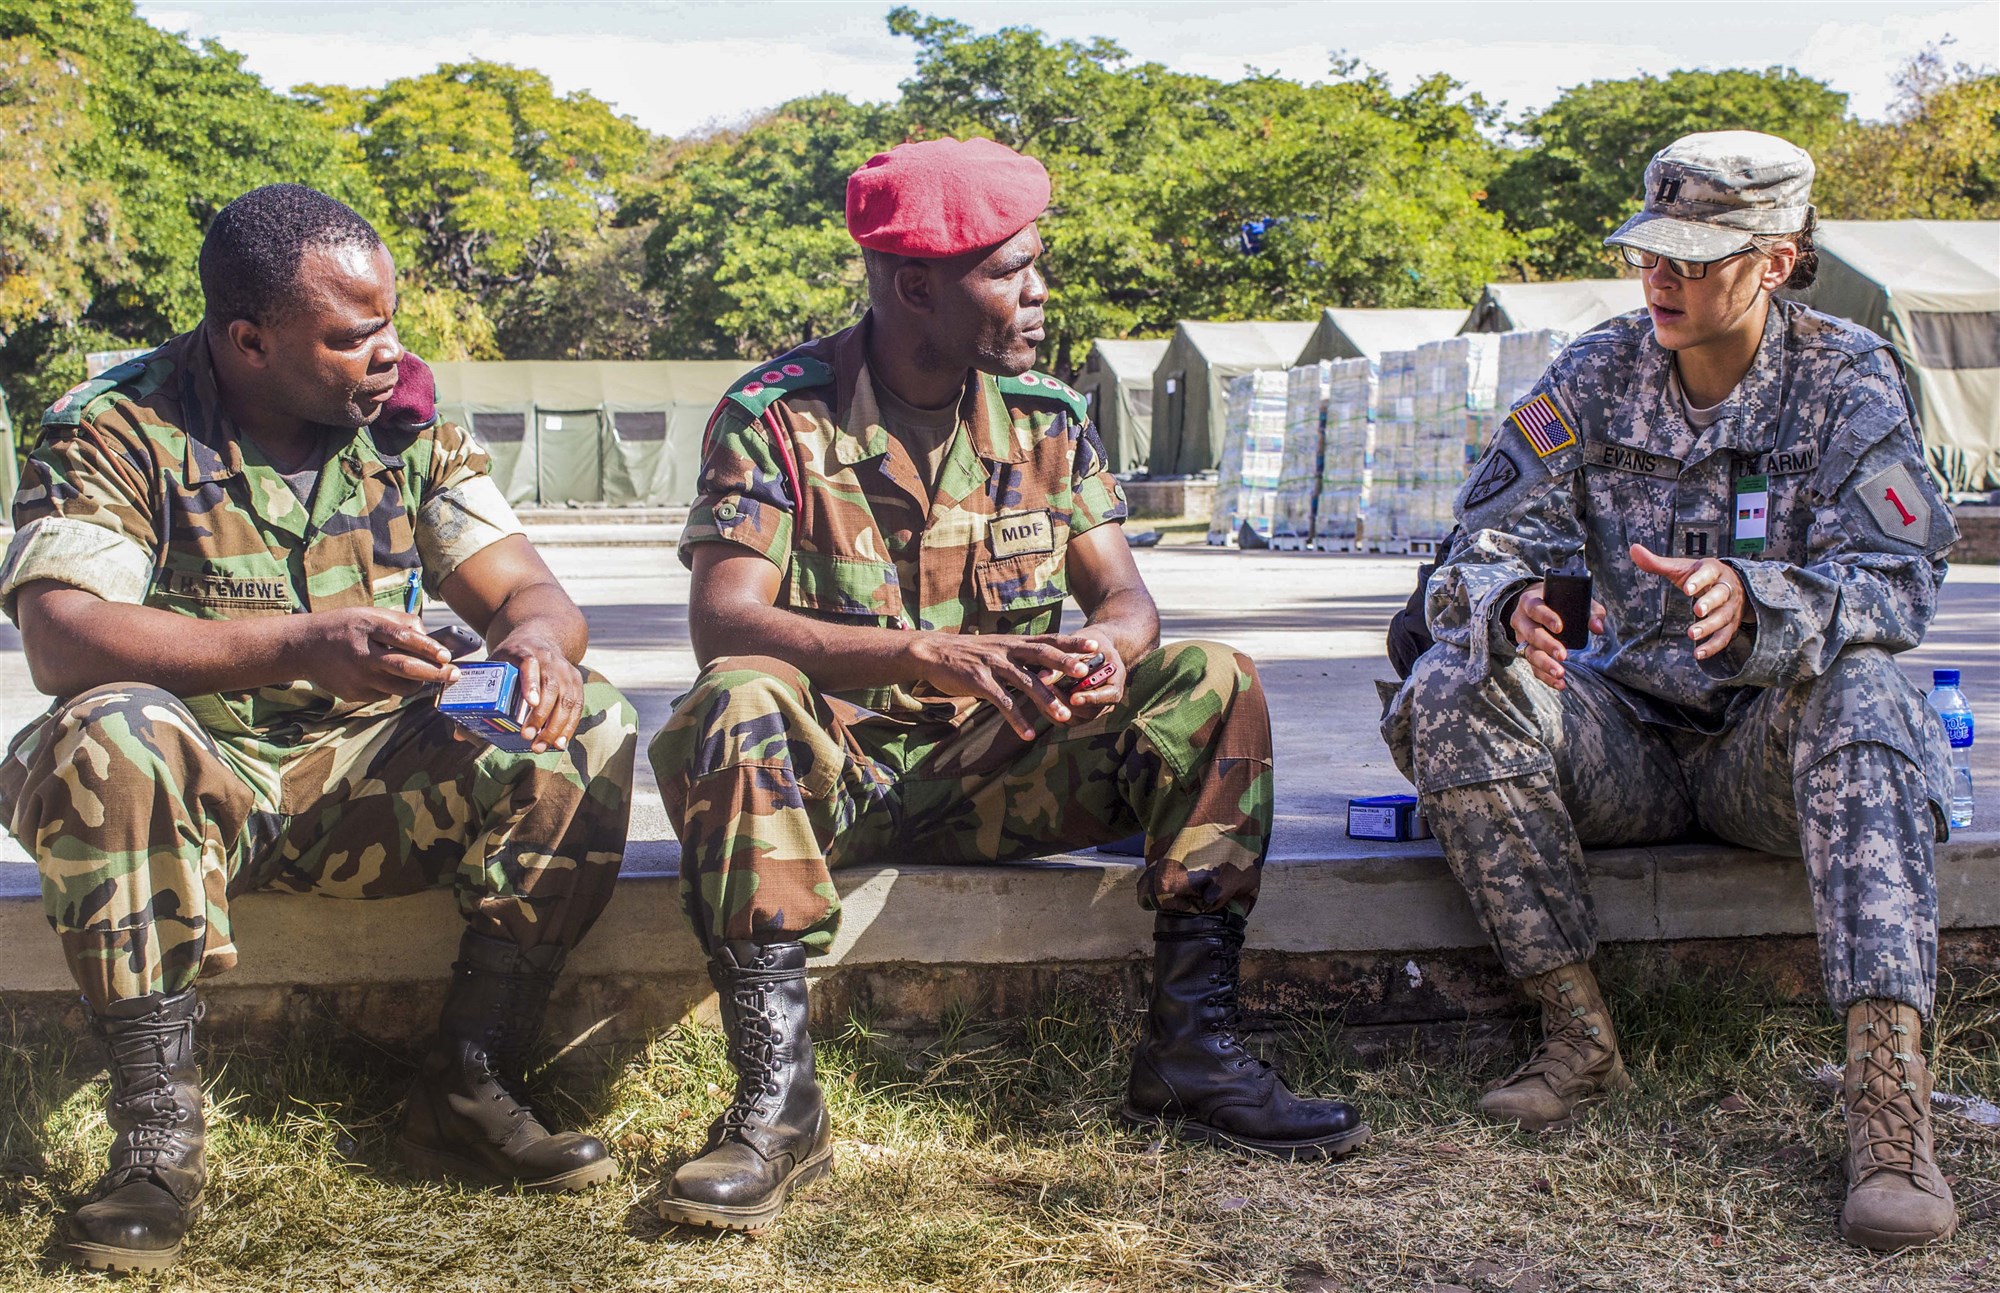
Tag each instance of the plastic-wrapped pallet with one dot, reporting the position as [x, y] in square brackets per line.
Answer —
[1253, 443]
[1229, 465]
[1437, 458]
[1524, 357]
[1257, 399]
[1342, 515]
[1483, 409]
[1299, 465]
[1395, 451]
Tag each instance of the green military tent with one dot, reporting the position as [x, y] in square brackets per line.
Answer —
[1117, 379]
[1572, 307]
[1932, 288]
[1191, 385]
[1365, 334]
[588, 431]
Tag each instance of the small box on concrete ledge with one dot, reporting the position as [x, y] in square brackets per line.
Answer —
[486, 701]
[1386, 817]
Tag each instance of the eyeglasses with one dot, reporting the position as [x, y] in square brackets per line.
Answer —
[1639, 258]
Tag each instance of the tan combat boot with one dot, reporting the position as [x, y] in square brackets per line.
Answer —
[1896, 1197]
[1577, 1059]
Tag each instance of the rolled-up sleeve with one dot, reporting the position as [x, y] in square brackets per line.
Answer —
[83, 516]
[462, 511]
[742, 495]
[1096, 498]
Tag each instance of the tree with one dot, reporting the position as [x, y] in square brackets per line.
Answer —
[1363, 197]
[1584, 166]
[59, 231]
[596, 308]
[1937, 157]
[748, 247]
[485, 170]
[174, 133]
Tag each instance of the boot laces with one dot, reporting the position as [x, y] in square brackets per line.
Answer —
[142, 1088]
[753, 1053]
[1886, 1102]
[503, 1042]
[1224, 1017]
[1565, 1037]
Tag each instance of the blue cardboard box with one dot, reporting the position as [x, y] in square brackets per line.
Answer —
[1386, 817]
[486, 701]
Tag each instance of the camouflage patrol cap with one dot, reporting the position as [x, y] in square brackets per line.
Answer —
[1708, 195]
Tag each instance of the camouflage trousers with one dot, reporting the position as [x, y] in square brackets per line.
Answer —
[145, 824]
[1517, 778]
[771, 785]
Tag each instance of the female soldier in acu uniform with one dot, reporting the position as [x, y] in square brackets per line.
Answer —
[1744, 480]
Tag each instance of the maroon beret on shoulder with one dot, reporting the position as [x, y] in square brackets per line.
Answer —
[412, 405]
[944, 197]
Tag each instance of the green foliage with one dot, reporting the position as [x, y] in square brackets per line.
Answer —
[1373, 198]
[1585, 163]
[596, 308]
[748, 248]
[535, 225]
[58, 229]
[169, 135]
[484, 169]
[1936, 158]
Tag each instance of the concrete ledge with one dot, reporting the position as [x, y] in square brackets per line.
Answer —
[922, 934]
[1171, 498]
[1978, 534]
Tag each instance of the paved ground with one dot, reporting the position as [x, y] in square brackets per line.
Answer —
[1314, 623]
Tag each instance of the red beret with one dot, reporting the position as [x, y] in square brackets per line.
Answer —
[412, 405]
[944, 197]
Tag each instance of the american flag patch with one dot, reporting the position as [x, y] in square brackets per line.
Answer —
[1544, 426]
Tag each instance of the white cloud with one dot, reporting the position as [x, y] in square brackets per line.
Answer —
[1862, 57]
[1524, 74]
[673, 84]
[667, 86]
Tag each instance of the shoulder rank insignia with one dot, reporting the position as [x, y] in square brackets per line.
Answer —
[1048, 388]
[1542, 423]
[758, 390]
[69, 407]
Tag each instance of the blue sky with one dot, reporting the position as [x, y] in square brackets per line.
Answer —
[676, 67]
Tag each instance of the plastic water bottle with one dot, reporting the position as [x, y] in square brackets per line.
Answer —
[1951, 705]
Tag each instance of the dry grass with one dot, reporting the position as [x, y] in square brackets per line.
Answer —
[988, 1160]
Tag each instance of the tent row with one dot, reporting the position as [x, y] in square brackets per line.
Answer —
[1190, 373]
[579, 431]
[1931, 287]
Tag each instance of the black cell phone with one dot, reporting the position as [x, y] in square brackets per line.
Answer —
[1569, 597]
[1098, 672]
[457, 639]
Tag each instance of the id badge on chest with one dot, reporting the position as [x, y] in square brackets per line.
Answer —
[1752, 519]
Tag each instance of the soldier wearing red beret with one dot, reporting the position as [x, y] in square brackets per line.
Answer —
[889, 522]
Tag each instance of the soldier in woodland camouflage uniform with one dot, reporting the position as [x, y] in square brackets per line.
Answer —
[1744, 481]
[217, 548]
[889, 522]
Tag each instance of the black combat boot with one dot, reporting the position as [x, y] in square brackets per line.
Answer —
[774, 1137]
[466, 1115]
[151, 1197]
[1191, 1071]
